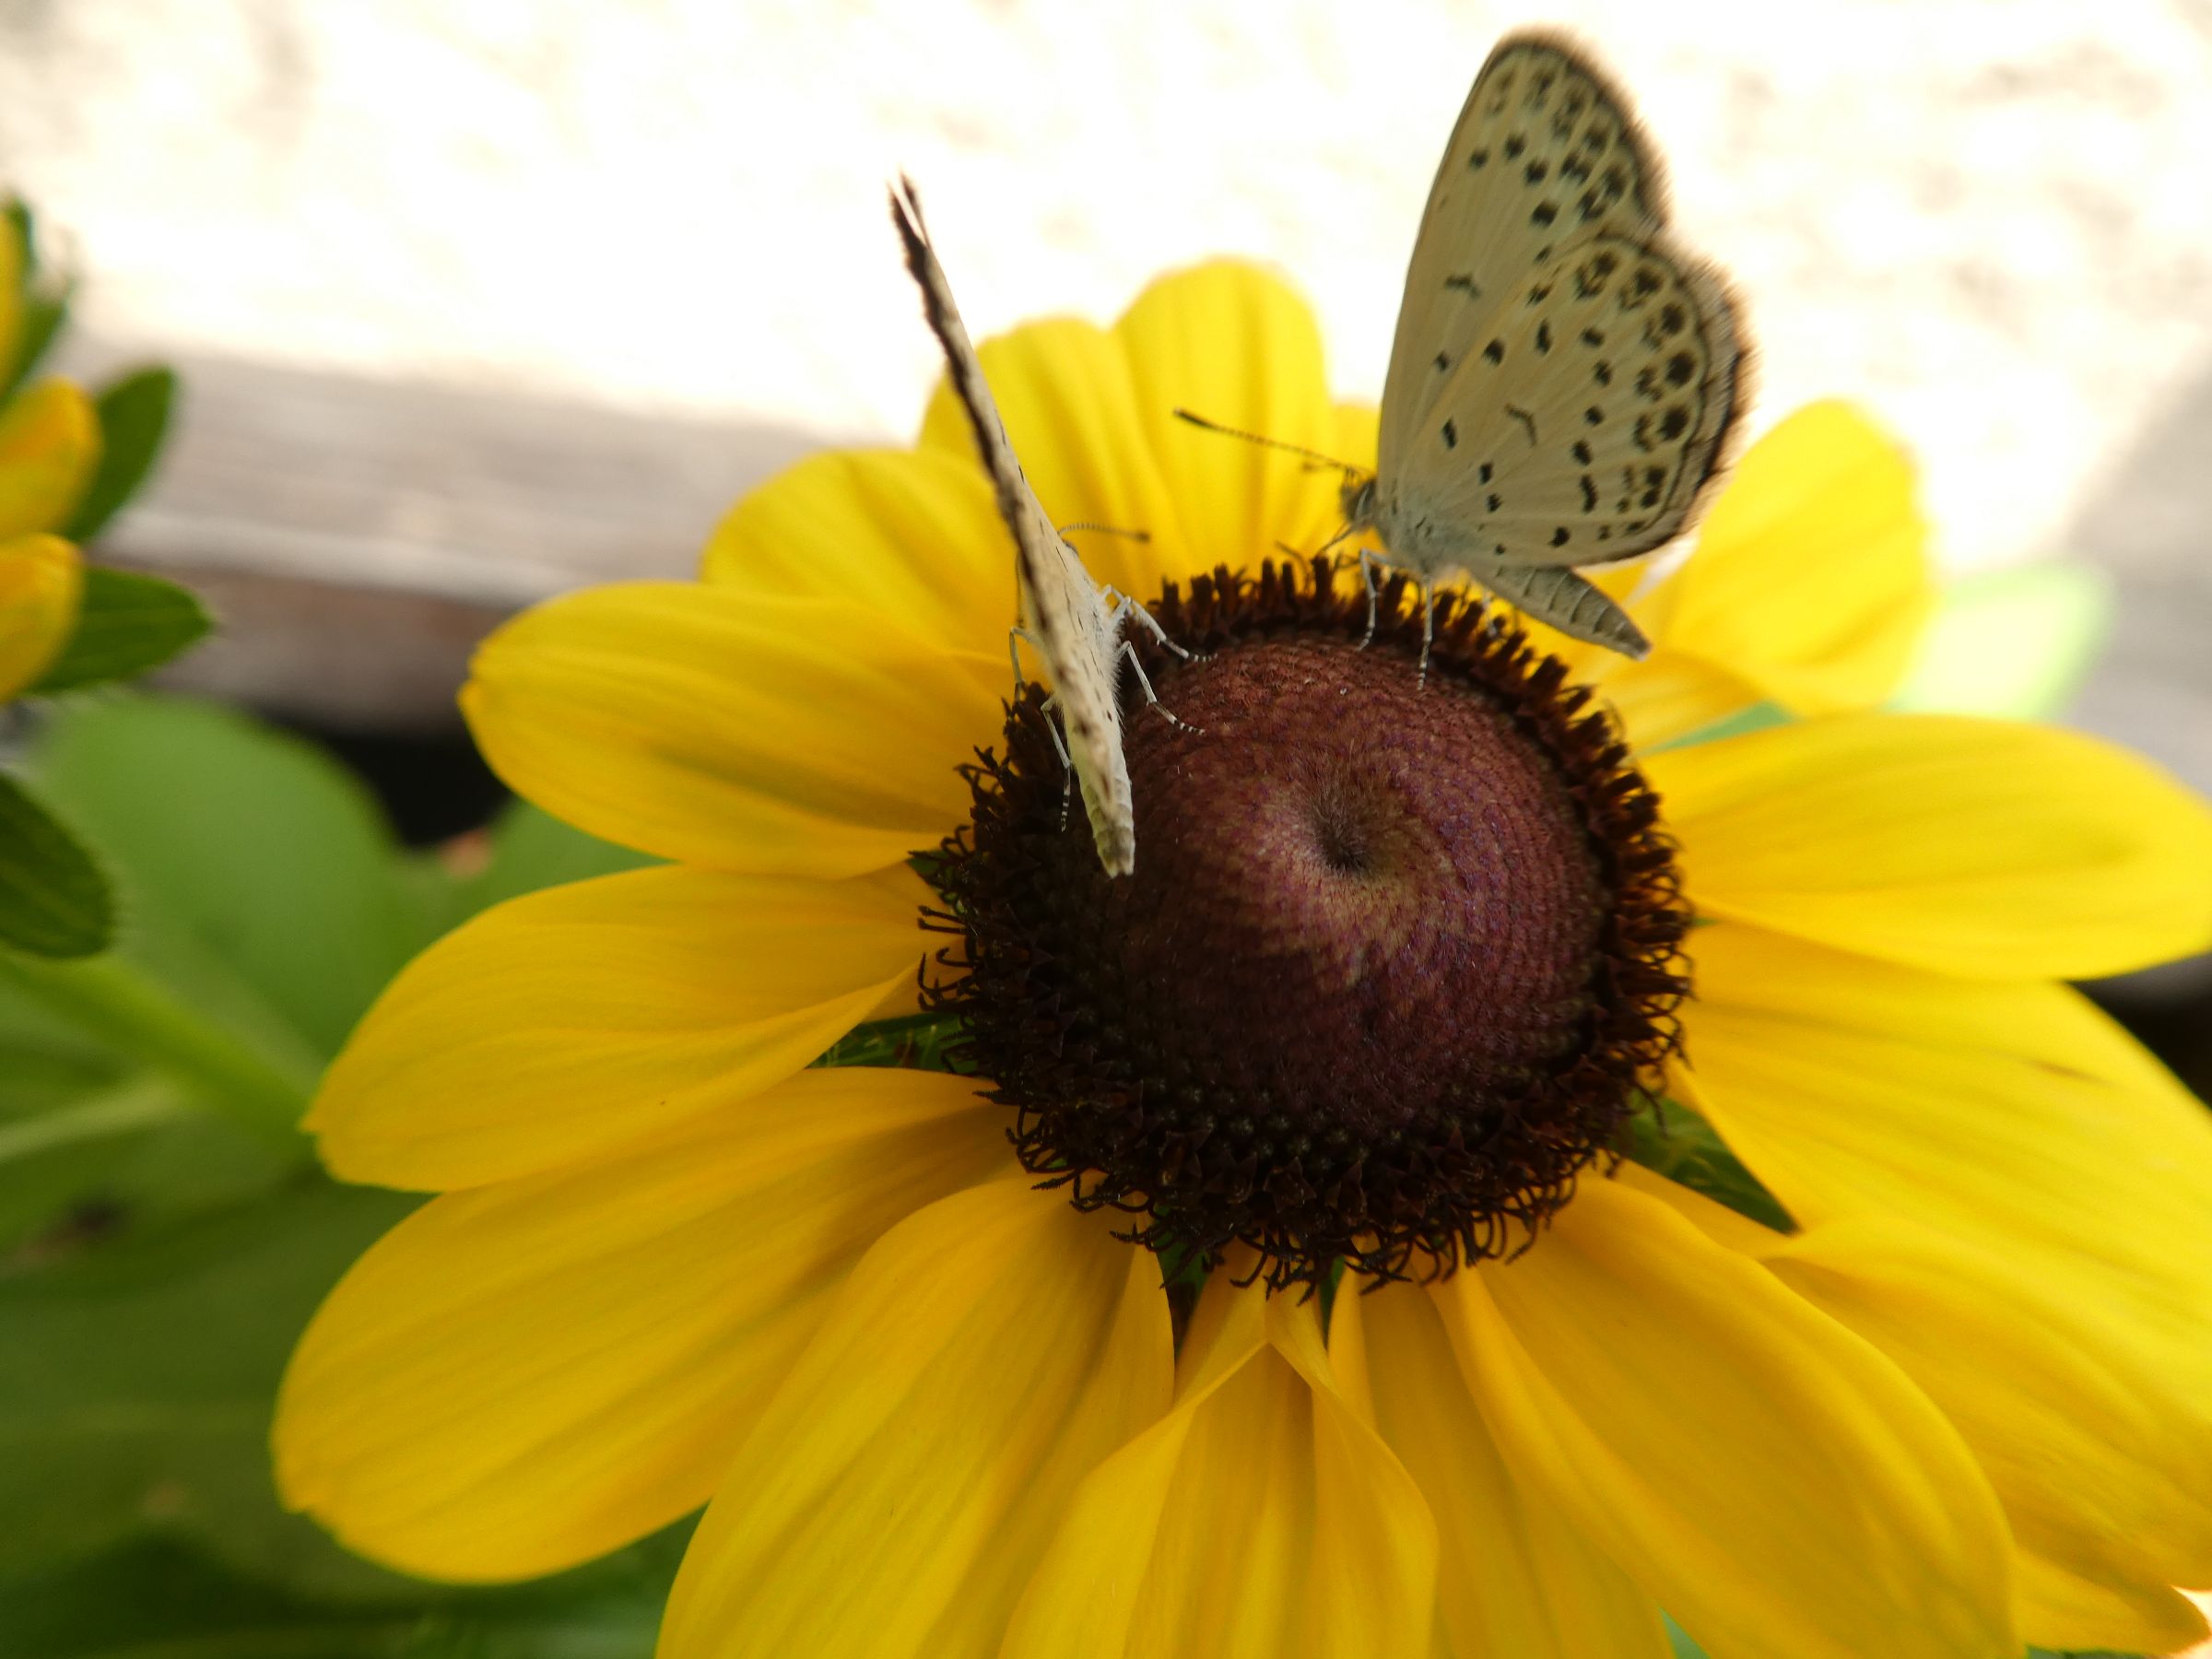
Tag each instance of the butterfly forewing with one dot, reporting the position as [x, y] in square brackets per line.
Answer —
[1061, 606]
[1545, 154]
[1585, 417]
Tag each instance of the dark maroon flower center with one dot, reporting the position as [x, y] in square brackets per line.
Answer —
[1392, 960]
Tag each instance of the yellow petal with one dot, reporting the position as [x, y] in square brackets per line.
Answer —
[1974, 847]
[1810, 580]
[1069, 401]
[522, 1377]
[1237, 346]
[892, 1496]
[1671, 695]
[1515, 1578]
[1766, 1475]
[2099, 1448]
[770, 736]
[49, 450]
[564, 1023]
[2014, 1117]
[1261, 1517]
[41, 580]
[913, 537]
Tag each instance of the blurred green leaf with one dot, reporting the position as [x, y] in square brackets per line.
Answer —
[160, 1600]
[2012, 645]
[1668, 1138]
[136, 1385]
[258, 874]
[128, 623]
[156, 1263]
[134, 418]
[45, 299]
[54, 900]
[527, 850]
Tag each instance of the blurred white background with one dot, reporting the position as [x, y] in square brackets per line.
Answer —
[1989, 220]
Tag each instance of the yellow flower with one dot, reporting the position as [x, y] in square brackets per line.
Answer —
[939, 1409]
[49, 451]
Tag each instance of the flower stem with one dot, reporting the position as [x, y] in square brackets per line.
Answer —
[138, 1103]
[108, 999]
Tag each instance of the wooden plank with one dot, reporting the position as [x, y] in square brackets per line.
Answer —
[356, 536]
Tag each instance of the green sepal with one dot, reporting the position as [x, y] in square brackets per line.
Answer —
[127, 623]
[134, 419]
[919, 1042]
[1669, 1139]
[55, 898]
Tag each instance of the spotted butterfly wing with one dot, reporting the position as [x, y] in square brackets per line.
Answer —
[1564, 375]
[1062, 609]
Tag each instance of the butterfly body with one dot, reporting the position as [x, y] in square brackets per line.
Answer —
[1063, 611]
[1564, 376]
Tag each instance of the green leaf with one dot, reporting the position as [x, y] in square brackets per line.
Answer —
[135, 1386]
[2012, 644]
[45, 304]
[258, 875]
[54, 900]
[1668, 1138]
[160, 1600]
[134, 418]
[527, 850]
[127, 623]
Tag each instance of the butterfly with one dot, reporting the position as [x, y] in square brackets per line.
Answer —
[1073, 622]
[1564, 375]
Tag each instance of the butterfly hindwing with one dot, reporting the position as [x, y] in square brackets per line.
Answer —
[1062, 608]
[1586, 417]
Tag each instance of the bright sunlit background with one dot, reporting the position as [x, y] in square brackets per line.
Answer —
[1986, 218]
[480, 299]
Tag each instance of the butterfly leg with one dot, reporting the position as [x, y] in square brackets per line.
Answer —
[1368, 563]
[1427, 629]
[1067, 767]
[1123, 608]
[1015, 636]
[1128, 655]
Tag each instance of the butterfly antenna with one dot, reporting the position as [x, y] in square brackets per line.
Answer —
[1136, 536]
[1313, 456]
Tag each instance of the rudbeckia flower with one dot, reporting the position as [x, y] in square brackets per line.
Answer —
[49, 451]
[1397, 972]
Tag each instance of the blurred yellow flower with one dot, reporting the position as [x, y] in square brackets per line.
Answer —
[49, 452]
[42, 578]
[1391, 970]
